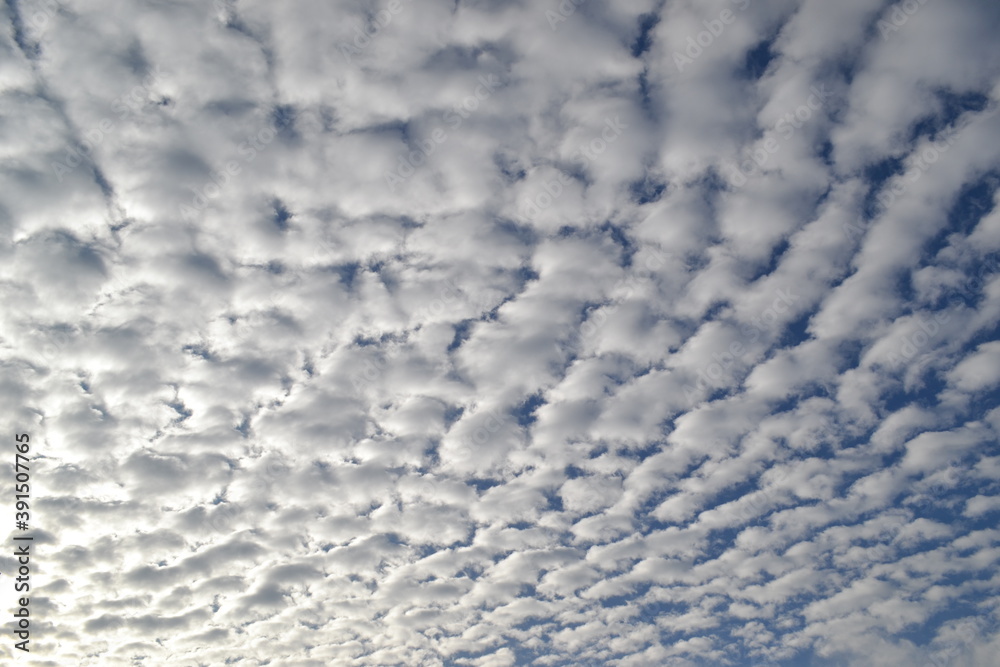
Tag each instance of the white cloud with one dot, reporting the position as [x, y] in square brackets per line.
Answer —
[446, 333]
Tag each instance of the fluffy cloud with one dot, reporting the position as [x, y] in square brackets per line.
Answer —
[497, 333]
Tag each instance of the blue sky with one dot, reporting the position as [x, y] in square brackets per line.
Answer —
[505, 333]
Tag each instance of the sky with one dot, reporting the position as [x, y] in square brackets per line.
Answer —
[496, 332]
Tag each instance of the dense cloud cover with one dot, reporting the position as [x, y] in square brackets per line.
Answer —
[501, 333]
